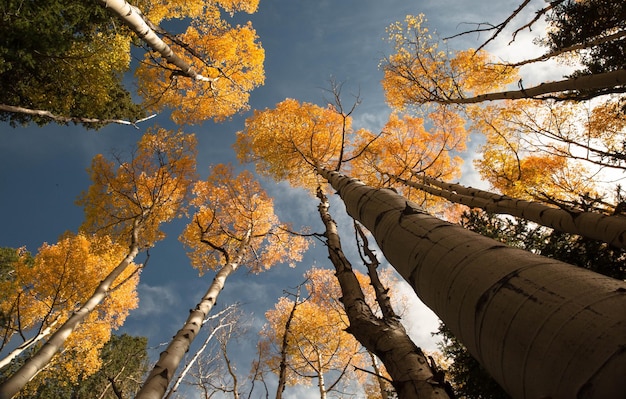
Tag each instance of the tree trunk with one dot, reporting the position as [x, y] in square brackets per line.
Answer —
[39, 360]
[406, 364]
[135, 21]
[27, 344]
[321, 384]
[540, 327]
[379, 377]
[609, 229]
[159, 378]
[282, 368]
[68, 119]
[598, 81]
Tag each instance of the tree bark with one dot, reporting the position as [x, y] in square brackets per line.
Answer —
[159, 378]
[609, 229]
[282, 368]
[599, 81]
[39, 360]
[68, 119]
[406, 364]
[540, 327]
[135, 21]
[27, 344]
[379, 377]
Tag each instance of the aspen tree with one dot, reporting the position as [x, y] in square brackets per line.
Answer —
[234, 225]
[128, 202]
[607, 228]
[541, 328]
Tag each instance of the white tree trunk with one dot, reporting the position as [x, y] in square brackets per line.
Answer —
[540, 327]
[386, 337]
[27, 344]
[586, 82]
[68, 119]
[159, 378]
[39, 360]
[134, 19]
[609, 229]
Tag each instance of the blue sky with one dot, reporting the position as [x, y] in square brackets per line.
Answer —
[42, 170]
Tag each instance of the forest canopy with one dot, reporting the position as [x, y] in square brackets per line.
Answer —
[242, 233]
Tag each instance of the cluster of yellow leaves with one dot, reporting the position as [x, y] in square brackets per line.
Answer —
[529, 149]
[231, 56]
[405, 147]
[420, 72]
[140, 194]
[160, 10]
[289, 141]
[235, 215]
[62, 277]
[317, 333]
[317, 340]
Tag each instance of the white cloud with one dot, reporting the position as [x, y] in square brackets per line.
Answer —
[154, 300]
[418, 319]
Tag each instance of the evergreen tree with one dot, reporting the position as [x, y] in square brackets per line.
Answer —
[64, 57]
[124, 362]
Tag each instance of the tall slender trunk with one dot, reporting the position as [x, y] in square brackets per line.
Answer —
[27, 344]
[135, 21]
[321, 384]
[193, 360]
[609, 229]
[39, 360]
[159, 378]
[406, 364]
[540, 327]
[379, 377]
[282, 368]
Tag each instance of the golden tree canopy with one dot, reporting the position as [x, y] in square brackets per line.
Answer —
[137, 195]
[230, 56]
[63, 276]
[235, 214]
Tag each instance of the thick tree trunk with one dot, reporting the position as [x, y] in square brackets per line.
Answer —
[39, 360]
[159, 378]
[609, 229]
[540, 327]
[406, 364]
[134, 19]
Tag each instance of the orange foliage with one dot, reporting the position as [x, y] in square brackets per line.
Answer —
[140, 194]
[231, 56]
[63, 276]
[528, 153]
[317, 340]
[318, 328]
[406, 147]
[420, 72]
[235, 214]
[289, 141]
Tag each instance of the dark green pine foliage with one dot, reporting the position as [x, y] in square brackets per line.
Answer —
[468, 377]
[35, 38]
[578, 22]
[8, 258]
[124, 364]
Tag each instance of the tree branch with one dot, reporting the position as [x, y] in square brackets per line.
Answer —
[68, 119]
